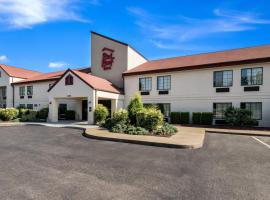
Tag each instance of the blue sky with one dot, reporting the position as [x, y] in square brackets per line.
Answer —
[49, 35]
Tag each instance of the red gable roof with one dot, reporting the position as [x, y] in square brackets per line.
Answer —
[52, 76]
[94, 82]
[206, 60]
[19, 72]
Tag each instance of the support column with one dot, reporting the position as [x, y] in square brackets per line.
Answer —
[53, 110]
[91, 107]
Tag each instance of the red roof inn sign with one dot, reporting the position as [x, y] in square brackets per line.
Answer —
[107, 58]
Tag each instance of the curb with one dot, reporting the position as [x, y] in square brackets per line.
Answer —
[148, 143]
[236, 133]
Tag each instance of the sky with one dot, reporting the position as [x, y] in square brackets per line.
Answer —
[51, 35]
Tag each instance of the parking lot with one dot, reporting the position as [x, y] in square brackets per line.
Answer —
[59, 163]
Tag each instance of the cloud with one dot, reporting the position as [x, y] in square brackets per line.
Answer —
[176, 32]
[27, 13]
[58, 64]
[3, 58]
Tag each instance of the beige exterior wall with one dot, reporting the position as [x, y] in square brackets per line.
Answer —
[193, 91]
[125, 58]
[40, 97]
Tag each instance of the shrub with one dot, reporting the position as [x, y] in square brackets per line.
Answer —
[239, 117]
[30, 116]
[119, 128]
[196, 118]
[207, 118]
[166, 130]
[43, 113]
[175, 117]
[132, 130]
[184, 118]
[149, 118]
[8, 114]
[23, 111]
[120, 117]
[135, 105]
[70, 115]
[100, 114]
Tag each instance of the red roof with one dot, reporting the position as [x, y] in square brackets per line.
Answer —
[206, 60]
[94, 82]
[52, 76]
[19, 72]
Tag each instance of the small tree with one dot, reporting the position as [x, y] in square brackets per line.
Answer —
[135, 105]
[100, 114]
[239, 117]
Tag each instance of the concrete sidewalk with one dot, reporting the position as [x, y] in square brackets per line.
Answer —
[186, 137]
[238, 132]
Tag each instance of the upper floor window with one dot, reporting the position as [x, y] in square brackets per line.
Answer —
[164, 82]
[223, 78]
[252, 76]
[3, 92]
[219, 109]
[255, 108]
[145, 84]
[22, 91]
[69, 80]
[30, 90]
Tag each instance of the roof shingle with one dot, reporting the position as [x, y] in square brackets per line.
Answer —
[19, 72]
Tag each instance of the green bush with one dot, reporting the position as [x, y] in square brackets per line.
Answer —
[43, 114]
[120, 117]
[8, 114]
[184, 118]
[239, 117]
[175, 117]
[100, 114]
[196, 118]
[119, 128]
[70, 115]
[149, 118]
[23, 111]
[30, 116]
[135, 105]
[132, 130]
[207, 118]
[166, 130]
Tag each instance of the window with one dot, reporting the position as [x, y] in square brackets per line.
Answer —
[223, 78]
[3, 92]
[145, 84]
[69, 80]
[252, 76]
[219, 109]
[30, 106]
[21, 105]
[255, 108]
[30, 90]
[165, 108]
[22, 91]
[164, 82]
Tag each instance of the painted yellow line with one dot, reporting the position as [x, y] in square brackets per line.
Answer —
[261, 142]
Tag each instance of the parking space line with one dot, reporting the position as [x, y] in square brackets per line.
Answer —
[261, 142]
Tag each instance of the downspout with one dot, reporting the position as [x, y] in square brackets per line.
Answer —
[13, 94]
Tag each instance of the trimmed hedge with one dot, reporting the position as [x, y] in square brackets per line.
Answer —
[100, 114]
[196, 117]
[149, 118]
[175, 117]
[30, 116]
[184, 118]
[207, 118]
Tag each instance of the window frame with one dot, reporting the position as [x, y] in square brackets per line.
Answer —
[22, 87]
[145, 78]
[69, 80]
[251, 68]
[214, 80]
[215, 107]
[32, 91]
[29, 104]
[260, 117]
[163, 83]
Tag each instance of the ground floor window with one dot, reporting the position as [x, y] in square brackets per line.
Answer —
[30, 106]
[219, 109]
[165, 108]
[22, 106]
[255, 108]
